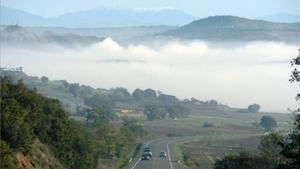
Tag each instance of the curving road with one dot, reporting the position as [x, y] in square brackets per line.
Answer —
[156, 162]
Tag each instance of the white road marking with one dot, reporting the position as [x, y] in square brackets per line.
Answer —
[139, 160]
[169, 155]
[135, 164]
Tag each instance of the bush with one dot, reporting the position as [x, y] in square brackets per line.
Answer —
[208, 125]
[268, 122]
[243, 160]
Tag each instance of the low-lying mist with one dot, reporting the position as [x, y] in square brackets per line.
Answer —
[236, 75]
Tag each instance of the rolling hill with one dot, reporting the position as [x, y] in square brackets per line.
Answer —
[281, 17]
[18, 36]
[232, 28]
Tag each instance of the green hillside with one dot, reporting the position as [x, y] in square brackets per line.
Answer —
[36, 132]
[232, 28]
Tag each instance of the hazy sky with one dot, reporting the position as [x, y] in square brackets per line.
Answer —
[199, 8]
[237, 76]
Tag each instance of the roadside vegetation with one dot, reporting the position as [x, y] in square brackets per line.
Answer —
[28, 117]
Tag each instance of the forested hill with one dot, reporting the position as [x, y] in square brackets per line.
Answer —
[232, 28]
[36, 132]
[119, 102]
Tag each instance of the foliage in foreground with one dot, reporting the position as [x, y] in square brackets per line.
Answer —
[291, 147]
[267, 157]
[26, 115]
[7, 157]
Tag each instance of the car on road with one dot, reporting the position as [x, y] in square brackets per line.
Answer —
[146, 156]
[163, 154]
[148, 151]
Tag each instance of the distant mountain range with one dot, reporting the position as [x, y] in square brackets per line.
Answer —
[98, 18]
[282, 17]
[232, 28]
[213, 29]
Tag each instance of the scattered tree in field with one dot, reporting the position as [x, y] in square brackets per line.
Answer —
[44, 79]
[173, 111]
[254, 108]
[167, 98]
[138, 94]
[208, 125]
[120, 94]
[213, 103]
[64, 83]
[74, 89]
[152, 112]
[268, 122]
[177, 111]
[150, 93]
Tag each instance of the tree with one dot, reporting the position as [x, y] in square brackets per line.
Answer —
[101, 100]
[167, 99]
[44, 79]
[150, 93]
[213, 103]
[268, 122]
[208, 125]
[74, 89]
[138, 94]
[254, 108]
[120, 94]
[152, 112]
[177, 111]
[8, 160]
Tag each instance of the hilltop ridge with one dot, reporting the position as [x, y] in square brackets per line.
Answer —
[233, 28]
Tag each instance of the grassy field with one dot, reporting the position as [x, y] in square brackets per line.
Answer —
[232, 132]
[225, 123]
[203, 153]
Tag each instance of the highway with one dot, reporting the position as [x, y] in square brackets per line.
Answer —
[156, 162]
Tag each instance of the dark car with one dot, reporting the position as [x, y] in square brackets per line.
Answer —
[146, 156]
[148, 151]
[163, 154]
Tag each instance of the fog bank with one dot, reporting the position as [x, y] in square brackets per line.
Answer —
[237, 76]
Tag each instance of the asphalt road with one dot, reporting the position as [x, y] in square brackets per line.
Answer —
[156, 162]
